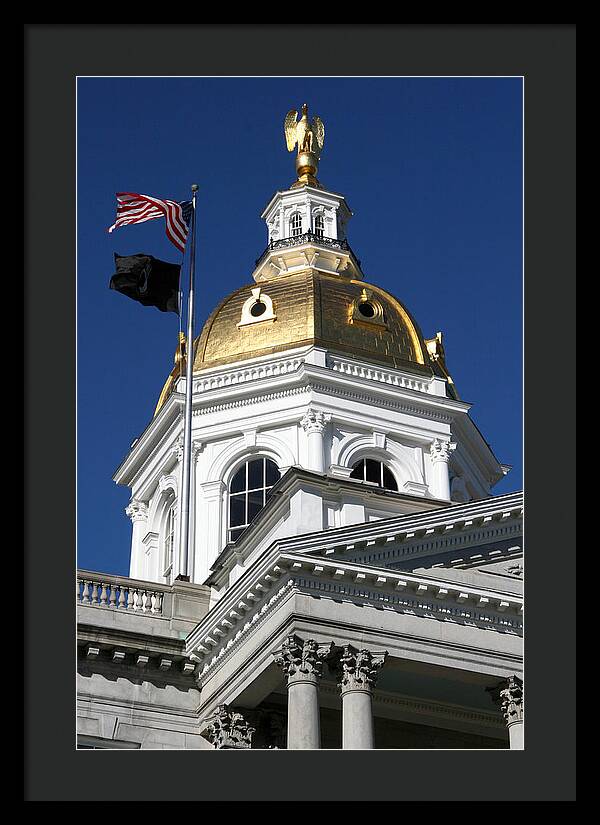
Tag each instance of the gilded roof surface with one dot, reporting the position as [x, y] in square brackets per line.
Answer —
[318, 309]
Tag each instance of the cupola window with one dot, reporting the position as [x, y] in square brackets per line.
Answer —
[249, 491]
[296, 225]
[368, 469]
[319, 226]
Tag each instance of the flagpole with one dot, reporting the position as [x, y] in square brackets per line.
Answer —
[187, 425]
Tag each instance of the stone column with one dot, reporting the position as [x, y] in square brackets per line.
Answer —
[314, 423]
[440, 456]
[509, 695]
[138, 513]
[359, 669]
[302, 663]
[227, 730]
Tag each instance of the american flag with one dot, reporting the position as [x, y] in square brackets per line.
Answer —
[134, 208]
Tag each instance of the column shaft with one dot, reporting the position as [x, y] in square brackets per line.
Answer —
[357, 720]
[441, 480]
[315, 451]
[515, 736]
[302, 662]
[509, 695]
[304, 726]
[359, 669]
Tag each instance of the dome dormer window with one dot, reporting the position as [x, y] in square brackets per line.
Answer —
[257, 308]
[367, 310]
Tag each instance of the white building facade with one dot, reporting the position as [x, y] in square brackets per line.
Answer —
[351, 581]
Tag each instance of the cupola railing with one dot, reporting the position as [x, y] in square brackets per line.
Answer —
[308, 237]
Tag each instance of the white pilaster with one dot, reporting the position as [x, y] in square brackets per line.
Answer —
[138, 513]
[440, 457]
[314, 423]
[210, 528]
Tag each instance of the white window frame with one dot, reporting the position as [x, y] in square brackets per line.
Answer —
[295, 225]
[319, 225]
[168, 542]
[239, 528]
[382, 464]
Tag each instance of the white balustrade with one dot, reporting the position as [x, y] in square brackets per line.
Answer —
[119, 593]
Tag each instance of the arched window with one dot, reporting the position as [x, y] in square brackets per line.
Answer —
[319, 226]
[296, 225]
[168, 542]
[249, 490]
[368, 469]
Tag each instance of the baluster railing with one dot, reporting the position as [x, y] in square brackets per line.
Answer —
[118, 593]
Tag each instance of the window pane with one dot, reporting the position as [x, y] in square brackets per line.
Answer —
[235, 534]
[256, 476]
[255, 503]
[238, 482]
[389, 482]
[272, 472]
[373, 471]
[237, 510]
[358, 470]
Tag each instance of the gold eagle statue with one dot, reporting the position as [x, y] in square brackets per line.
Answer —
[309, 136]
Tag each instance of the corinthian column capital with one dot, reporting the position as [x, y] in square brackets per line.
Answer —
[303, 658]
[314, 421]
[509, 695]
[228, 729]
[359, 668]
[440, 450]
[137, 510]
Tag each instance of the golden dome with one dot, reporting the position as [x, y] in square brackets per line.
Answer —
[312, 308]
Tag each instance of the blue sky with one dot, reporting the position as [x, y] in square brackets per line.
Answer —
[432, 169]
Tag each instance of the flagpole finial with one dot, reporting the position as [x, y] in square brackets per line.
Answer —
[194, 187]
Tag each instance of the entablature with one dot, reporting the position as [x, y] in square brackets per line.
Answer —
[277, 577]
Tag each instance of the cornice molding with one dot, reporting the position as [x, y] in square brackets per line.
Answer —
[446, 527]
[485, 515]
[256, 595]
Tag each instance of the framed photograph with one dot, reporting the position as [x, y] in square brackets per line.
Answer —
[292, 330]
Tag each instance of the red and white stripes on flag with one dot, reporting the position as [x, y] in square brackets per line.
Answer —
[134, 208]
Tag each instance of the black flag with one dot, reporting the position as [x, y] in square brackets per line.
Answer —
[152, 282]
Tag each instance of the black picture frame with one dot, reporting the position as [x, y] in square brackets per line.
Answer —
[54, 55]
